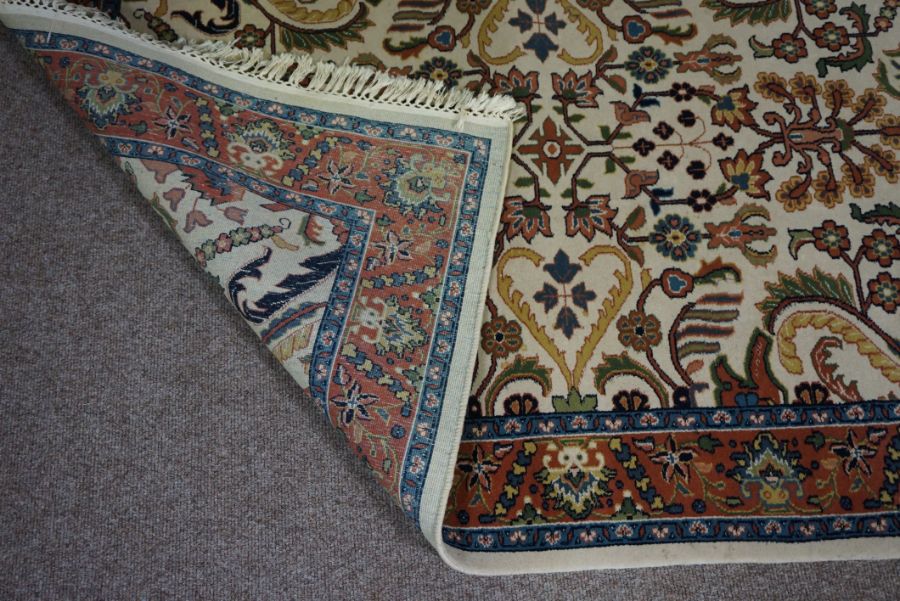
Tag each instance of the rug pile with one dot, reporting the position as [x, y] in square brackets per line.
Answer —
[585, 283]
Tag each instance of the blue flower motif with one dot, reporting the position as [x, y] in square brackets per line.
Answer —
[563, 272]
[540, 43]
[675, 237]
[353, 403]
[648, 64]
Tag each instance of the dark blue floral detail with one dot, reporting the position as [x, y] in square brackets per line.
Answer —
[353, 403]
[540, 43]
[648, 64]
[563, 272]
[675, 237]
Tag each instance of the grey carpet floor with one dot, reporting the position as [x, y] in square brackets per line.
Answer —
[150, 448]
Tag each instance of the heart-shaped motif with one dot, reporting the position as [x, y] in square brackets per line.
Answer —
[541, 28]
[611, 304]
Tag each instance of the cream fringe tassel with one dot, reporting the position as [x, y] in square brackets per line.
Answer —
[347, 81]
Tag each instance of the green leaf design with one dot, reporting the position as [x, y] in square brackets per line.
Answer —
[308, 41]
[884, 79]
[635, 219]
[719, 275]
[888, 214]
[574, 402]
[858, 59]
[162, 212]
[760, 50]
[816, 439]
[752, 12]
[523, 182]
[817, 284]
[522, 368]
[798, 239]
[620, 365]
[708, 443]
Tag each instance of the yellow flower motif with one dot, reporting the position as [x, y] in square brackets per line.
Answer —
[872, 100]
[890, 174]
[767, 85]
[865, 187]
[829, 191]
[837, 91]
[805, 87]
[112, 78]
[790, 197]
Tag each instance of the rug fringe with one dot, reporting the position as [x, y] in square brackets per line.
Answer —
[304, 72]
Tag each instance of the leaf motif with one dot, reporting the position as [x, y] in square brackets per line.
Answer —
[752, 12]
[488, 28]
[798, 239]
[709, 443]
[888, 214]
[195, 218]
[804, 285]
[621, 365]
[635, 219]
[760, 50]
[574, 402]
[522, 368]
[592, 35]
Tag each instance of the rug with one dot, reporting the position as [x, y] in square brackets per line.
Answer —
[688, 349]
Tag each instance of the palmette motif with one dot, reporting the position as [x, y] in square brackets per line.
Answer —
[691, 332]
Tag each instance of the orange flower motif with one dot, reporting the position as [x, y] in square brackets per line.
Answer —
[527, 219]
[733, 109]
[884, 292]
[831, 36]
[553, 149]
[500, 337]
[521, 86]
[881, 248]
[745, 172]
[639, 330]
[589, 216]
[789, 48]
[831, 238]
[577, 89]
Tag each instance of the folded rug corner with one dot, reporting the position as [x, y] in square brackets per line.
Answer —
[624, 293]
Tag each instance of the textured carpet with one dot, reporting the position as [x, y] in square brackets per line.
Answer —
[153, 449]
